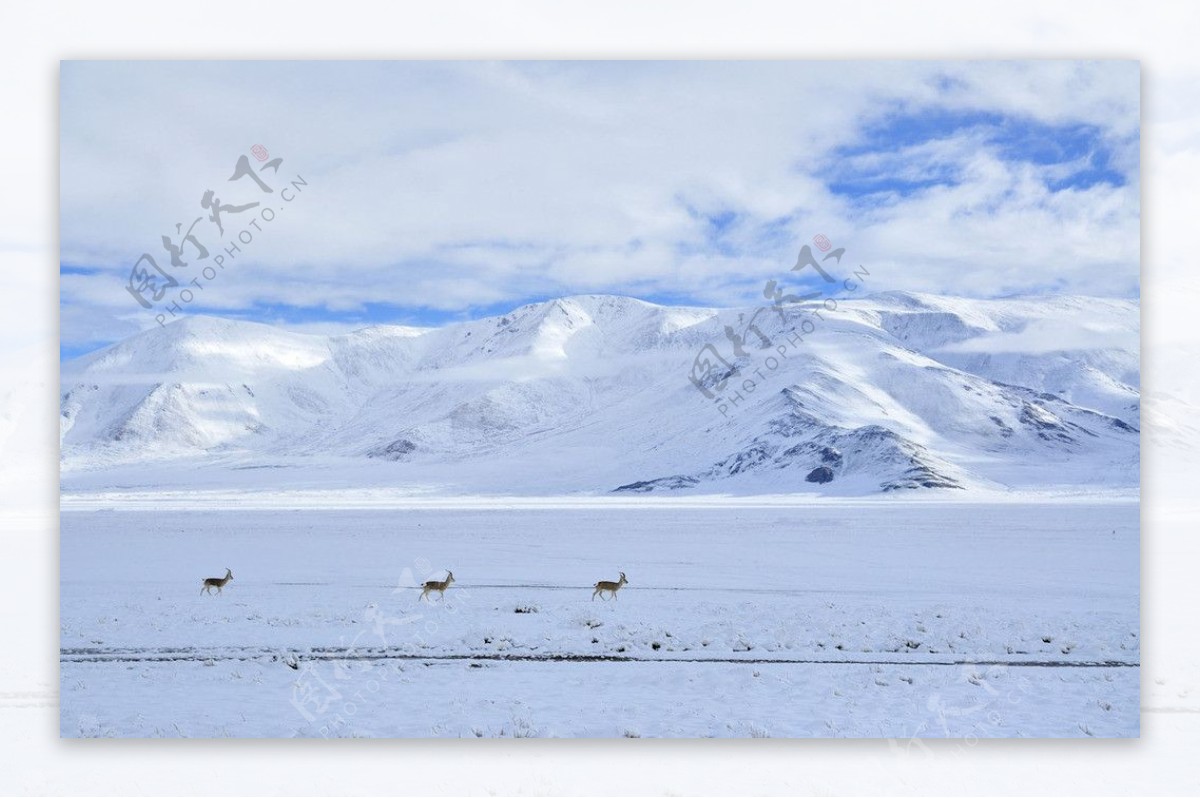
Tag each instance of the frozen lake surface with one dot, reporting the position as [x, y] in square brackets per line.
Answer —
[878, 619]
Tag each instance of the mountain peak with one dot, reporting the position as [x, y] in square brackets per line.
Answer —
[593, 392]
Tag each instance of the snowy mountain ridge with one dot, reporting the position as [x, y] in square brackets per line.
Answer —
[593, 394]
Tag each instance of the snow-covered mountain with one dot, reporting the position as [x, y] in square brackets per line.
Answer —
[604, 393]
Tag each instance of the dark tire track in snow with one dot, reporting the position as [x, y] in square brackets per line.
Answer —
[465, 589]
[320, 654]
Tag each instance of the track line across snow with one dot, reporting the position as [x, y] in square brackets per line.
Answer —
[126, 655]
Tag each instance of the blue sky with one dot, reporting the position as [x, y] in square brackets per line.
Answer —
[1070, 155]
[434, 192]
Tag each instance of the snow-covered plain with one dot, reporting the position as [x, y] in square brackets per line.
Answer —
[874, 617]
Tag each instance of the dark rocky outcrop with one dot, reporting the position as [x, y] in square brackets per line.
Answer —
[820, 475]
[662, 483]
[396, 450]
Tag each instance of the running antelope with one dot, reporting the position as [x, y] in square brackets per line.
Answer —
[216, 581]
[440, 587]
[603, 587]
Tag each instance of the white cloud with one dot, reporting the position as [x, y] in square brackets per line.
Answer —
[457, 185]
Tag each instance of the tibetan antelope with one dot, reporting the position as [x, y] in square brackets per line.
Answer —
[440, 587]
[603, 587]
[216, 581]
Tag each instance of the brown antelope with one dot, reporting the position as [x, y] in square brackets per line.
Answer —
[603, 587]
[217, 582]
[440, 587]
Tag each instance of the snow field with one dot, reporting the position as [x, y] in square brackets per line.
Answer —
[889, 620]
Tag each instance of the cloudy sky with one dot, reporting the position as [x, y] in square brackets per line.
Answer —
[432, 192]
